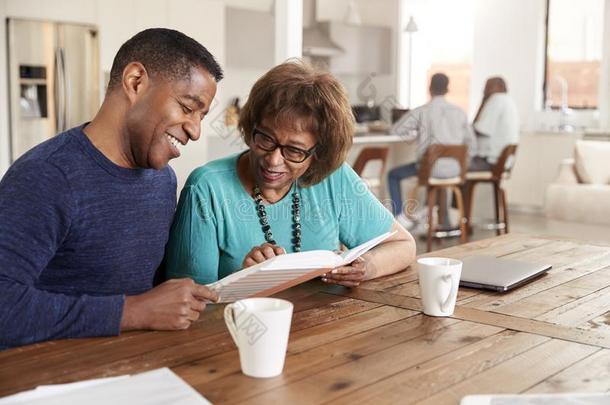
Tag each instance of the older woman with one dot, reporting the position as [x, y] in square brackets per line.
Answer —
[290, 191]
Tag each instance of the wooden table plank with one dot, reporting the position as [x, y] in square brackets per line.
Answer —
[589, 375]
[590, 337]
[337, 381]
[518, 373]
[581, 310]
[427, 378]
[145, 351]
[599, 324]
[411, 289]
[497, 246]
[231, 386]
[533, 306]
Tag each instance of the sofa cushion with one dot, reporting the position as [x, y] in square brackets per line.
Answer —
[584, 203]
[591, 161]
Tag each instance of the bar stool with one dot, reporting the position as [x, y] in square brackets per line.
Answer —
[434, 185]
[499, 172]
[367, 156]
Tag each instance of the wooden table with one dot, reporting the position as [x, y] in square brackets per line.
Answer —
[373, 343]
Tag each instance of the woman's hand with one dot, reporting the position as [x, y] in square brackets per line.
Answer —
[261, 253]
[351, 275]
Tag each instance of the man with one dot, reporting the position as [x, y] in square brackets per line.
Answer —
[85, 216]
[496, 124]
[437, 122]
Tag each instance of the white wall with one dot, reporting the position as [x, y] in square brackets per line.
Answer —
[509, 41]
[4, 110]
[118, 20]
[604, 85]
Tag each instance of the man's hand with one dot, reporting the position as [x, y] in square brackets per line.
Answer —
[261, 253]
[172, 305]
[349, 276]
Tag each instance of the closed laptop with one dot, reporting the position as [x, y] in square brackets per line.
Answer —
[492, 273]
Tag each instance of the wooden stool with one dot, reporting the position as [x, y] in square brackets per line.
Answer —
[435, 185]
[500, 171]
[368, 155]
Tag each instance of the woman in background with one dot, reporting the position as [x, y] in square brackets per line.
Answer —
[496, 124]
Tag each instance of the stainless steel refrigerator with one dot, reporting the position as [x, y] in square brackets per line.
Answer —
[54, 79]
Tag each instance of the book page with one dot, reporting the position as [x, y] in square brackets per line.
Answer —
[313, 259]
[352, 254]
[538, 399]
[157, 387]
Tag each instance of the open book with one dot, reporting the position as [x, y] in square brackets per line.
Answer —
[284, 271]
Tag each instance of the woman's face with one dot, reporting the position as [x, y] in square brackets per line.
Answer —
[272, 170]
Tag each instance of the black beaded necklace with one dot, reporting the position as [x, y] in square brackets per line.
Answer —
[296, 218]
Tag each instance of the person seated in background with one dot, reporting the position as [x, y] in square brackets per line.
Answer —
[290, 191]
[436, 122]
[496, 125]
[85, 216]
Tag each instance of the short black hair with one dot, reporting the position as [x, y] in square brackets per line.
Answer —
[165, 52]
[439, 84]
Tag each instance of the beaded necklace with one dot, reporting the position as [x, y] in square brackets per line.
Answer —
[296, 218]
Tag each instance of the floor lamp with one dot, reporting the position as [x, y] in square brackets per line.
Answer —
[411, 29]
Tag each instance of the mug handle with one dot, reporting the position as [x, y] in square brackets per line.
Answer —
[231, 323]
[452, 293]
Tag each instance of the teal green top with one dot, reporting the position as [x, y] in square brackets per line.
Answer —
[216, 223]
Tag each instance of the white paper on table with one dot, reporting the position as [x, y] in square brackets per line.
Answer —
[538, 399]
[156, 387]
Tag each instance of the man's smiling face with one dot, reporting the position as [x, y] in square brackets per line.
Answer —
[168, 114]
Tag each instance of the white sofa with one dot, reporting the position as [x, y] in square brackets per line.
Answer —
[581, 192]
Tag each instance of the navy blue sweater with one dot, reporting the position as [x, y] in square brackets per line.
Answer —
[77, 234]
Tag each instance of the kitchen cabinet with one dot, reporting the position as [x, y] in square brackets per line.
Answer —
[367, 48]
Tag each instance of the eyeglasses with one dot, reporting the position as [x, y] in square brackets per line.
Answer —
[267, 143]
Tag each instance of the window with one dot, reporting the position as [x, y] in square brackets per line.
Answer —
[574, 33]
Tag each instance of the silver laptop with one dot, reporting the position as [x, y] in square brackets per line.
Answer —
[498, 274]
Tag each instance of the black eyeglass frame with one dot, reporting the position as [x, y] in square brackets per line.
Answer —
[306, 152]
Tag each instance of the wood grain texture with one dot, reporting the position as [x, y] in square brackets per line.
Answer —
[589, 375]
[335, 382]
[419, 382]
[518, 373]
[373, 344]
[235, 387]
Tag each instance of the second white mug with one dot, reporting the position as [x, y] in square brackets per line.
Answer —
[439, 279]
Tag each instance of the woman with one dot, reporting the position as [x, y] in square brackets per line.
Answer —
[496, 124]
[290, 191]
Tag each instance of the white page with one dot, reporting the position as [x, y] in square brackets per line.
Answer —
[538, 399]
[352, 254]
[156, 387]
[46, 391]
[313, 259]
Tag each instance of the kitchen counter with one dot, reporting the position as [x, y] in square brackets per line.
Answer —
[362, 138]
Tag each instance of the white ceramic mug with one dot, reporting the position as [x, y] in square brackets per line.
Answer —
[260, 329]
[439, 279]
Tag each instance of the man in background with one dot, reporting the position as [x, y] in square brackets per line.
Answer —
[85, 216]
[436, 122]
